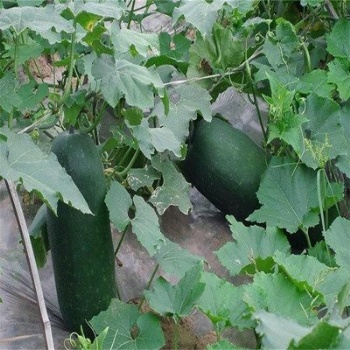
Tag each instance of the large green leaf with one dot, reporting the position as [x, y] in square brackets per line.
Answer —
[199, 13]
[338, 41]
[203, 14]
[222, 302]
[175, 260]
[8, 92]
[277, 294]
[21, 160]
[251, 246]
[317, 82]
[277, 332]
[41, 20]
[128, 328]
[338, 238]
[186, 102]
[305, 279]
[282, 333]
[178, 300]
[125, 40]
[278, 49]
[288, 192]
[339, 75]
[110, 8]
[120, 78]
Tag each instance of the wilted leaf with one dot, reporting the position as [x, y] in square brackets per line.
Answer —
[174, 190]
[140, 177]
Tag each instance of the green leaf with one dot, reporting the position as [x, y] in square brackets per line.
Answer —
[173, 46]
[251, 243]
[338, 238]
[199, 13]
[178, 300]
[174, 190]
[222, 344]
[321, 253]
[120, 78]
[339, 74]
[322, 336]
[277, 332]
[190, 100]
[317, 82]
[146, 226]
[142, 177]
[31, 95]
[283, 124]
[310, 2]
[8, 92]
[110, 8]
[288, 192]
[38, 222]
[338, 41]
[222, 302]
[40, 252]
[127, 328]
[30, 50]
[41, 20]
[278, 49]
[175, 260]
[118, 201]
[277, 294]
[21, 160]
[324, 136]
[343, 163]
[124, 40]
[306, 279]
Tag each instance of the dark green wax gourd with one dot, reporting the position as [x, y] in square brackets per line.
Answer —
[81, 244]
[226, 166]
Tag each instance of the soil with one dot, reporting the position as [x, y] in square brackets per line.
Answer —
[184, 332]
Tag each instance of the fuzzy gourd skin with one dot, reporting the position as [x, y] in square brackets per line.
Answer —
[81, 244]
[226, 166]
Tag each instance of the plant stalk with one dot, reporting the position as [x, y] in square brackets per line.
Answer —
[32, 264]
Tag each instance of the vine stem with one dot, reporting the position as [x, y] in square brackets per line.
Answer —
[32, 264]
[218, 75]
[68, 86]
[149, 284]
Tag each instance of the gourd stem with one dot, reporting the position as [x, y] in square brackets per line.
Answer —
[149, 284]
[121, 241]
